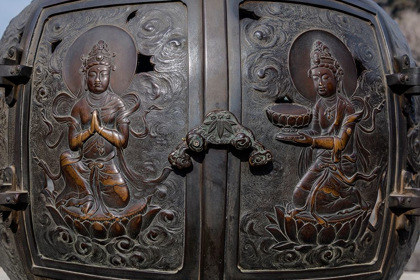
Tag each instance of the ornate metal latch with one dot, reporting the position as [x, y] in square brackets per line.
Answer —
[219, 128]
[407, 81]
[13, 74]
[10, 198]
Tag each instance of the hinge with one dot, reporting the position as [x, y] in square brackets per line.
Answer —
[407, 80]
[404, 206]
[13, 74]
[407, 204]
[10, 198]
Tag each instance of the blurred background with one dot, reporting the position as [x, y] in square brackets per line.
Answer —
[405, 12]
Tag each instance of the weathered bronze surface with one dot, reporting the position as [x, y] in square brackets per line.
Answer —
[291, 130]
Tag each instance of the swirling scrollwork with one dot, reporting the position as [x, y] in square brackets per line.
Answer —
[263, 34]
[152, 28]
[266, 79]
[141, 238]
[265, 72]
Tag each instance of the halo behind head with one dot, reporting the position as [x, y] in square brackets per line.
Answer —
[99, 45]
[306, 53]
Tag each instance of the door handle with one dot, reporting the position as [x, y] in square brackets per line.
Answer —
[220, 127]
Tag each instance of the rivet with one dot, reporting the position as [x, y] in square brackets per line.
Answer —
[11, 52]
[406, 60]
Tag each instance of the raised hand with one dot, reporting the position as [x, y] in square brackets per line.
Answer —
[304, 139]
[96, 122]
[92, 128]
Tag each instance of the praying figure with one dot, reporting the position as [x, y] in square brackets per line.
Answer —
[96, 176]
[99, 126]
[326, 192]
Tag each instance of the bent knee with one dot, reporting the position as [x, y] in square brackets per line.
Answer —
[123, 193]
[299, 197]
[65, 156]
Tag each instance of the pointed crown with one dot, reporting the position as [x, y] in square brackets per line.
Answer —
[321, 57]
[99, 55]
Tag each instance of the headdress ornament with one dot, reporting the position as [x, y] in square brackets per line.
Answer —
[321, 57]
[99, 55]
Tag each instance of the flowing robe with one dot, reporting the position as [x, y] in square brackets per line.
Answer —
[327, 189]
[92, 178]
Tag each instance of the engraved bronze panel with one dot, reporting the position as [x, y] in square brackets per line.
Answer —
[106, 86]
[291, 129]
[321, 204]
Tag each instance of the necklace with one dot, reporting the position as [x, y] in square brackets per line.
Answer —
[96, 102]
[329, 111]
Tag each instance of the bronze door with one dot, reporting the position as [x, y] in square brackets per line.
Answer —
[108, 99]
[209, 139]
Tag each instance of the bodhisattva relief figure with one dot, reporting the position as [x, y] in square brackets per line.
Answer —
[327, 192]
[94, 169]
[93, 181]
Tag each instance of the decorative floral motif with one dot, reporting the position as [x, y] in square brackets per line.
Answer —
[301, 235]
[220, 122]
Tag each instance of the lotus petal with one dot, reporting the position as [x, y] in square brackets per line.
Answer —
[58, 219]
[277, 234]
[98, 231]
[87, 224]
[80, 228]
[356, 228]
[271, 218]
[134, 226]
[290, 226]
[344, 232]
[69, 221]
[326, 235]
[338, 226]
[364, 224]
[124, 221]
[307, 234]
[106, 224]
[280, 217]
[117, 229]
[299, 224]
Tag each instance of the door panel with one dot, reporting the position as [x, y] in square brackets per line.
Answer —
[275, 116]
[101, 198]
[320, 204]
